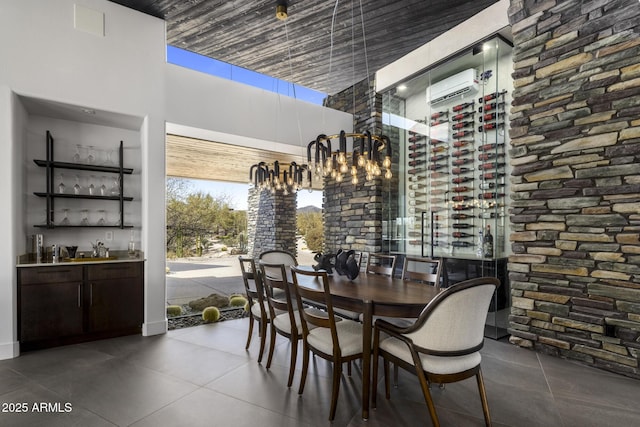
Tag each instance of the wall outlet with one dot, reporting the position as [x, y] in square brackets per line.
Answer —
[108, 236]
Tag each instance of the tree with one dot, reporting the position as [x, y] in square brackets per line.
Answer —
[310, 226]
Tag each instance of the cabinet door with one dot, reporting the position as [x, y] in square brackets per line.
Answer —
[116, 297]
[50, 302]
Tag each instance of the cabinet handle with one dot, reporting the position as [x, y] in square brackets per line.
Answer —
[79, 296]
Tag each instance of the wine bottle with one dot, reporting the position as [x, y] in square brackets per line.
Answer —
[414, 147]
[414, 202]
[439, 114]
[459, 144]
[438, 183]
[416, 162]
[417, 178]
[487, 246]
[489, 147]
[438, 157]
[416, 186]
[462, 207]
[416, 209]
[461, 116]
[461, 225]
[491, 116]
[438, 234]
[491, 165]
[462, 179]
[460, 162]
[462, 133]
[460, 216]
[415, 194]
[487, 215]
[439, 122]
[489, 196]
[415, 171]
[462, 189]
[489, 156]
[461, 107]
[435, 141]
[460, 171]
[436, 201]
[416, 154]
[461, 244]
[492, 175]
[417, 137]
[436, 166]
[461, 125]
[490, 107]
[461, 234]
[488, 185]
[490, 126]
[414, 234]
[438, 149]
[491, 96]
[460, 198]
[460, 153]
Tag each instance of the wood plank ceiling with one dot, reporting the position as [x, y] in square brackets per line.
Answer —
[246, 33]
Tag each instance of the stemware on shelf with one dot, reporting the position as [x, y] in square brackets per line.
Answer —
[77, 188]
[115, 188]
[101, 217]
[91, 157]
[103, 186]
[61, 187]
[93, 190]
[65, 217]
[85, 217]
[77, 157]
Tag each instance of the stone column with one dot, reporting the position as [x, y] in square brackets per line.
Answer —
[271, 222]
[575, 135]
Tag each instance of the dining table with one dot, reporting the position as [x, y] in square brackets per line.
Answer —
[374, 295]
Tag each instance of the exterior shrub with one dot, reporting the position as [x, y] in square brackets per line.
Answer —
[237, 301]
[211, 314]
[174, 310]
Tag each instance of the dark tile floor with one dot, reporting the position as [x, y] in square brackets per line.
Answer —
[202, 376]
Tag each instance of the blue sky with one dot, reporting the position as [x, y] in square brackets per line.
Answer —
[238, 193]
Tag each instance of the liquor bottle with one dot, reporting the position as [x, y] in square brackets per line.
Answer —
[460, 198]
[460, 244]
[491, 116]
[461, 125]
[491, 96]
[489, 196]
[462, 189]
[461, 107]
[490, 107]
[460, 153]
[492, 175]
[490, 126]
[436, 166]
[487, 246]
[416, 162]
[461, 116]
[438, 157]
[459, 144]
[461, 234]
[460, 171]
[489, 156]
[416, 154]
[462, 179]
[417, 137]
[462, 133]
[414, 147]
[489, 147]
[460, 216]
[461, 225]
[460, 162]
[439, 114]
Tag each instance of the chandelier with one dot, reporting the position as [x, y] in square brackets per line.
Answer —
[270, 178]
[367, 155]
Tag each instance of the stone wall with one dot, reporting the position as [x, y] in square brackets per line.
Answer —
[353, 214]
[575, 135]
[271, 222]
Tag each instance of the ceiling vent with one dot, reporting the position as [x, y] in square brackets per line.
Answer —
[463, 83]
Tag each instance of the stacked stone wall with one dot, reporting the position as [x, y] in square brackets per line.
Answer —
[575, 150]
[271, 222]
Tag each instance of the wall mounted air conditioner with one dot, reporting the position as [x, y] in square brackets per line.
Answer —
[463, 83]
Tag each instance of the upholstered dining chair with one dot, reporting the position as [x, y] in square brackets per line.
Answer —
[444, 343]
[258, 305]
[381, 264]
[332, 338]
[421, 269]
[277, 256]
[285, 318]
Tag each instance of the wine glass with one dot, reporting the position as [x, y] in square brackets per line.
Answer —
[65, 218]
[85, 217]
[115, 188]
[61, 186]
[91, 157]
[103, 186]
[76, 156]
[77, 188]
[101, 215]
[92, 188]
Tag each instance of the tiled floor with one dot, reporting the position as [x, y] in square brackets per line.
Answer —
[202, 376]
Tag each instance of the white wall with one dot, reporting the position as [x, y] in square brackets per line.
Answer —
[44, 57]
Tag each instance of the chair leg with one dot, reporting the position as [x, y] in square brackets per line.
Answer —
[337, 372]
[294, 357]
[272, 344]
[246, 347]
[374, 380]
[424, 384]
[263, 339]
[395, 375]
[349, 368]
[483, 398]
[387, 388]
[305, 367]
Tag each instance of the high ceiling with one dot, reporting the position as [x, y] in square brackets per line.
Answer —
[246, 33]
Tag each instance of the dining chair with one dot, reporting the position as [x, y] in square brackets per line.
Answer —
[285, 318]
[326, 335]
[278, 256]
[258, 305]
[423, 270]
[443, 345]
[381, 264]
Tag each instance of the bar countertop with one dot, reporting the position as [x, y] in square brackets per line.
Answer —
[115, 257]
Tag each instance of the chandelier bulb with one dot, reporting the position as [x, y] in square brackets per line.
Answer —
[354, 179]
[388, 174]
[338, 177]
[386, 162]
[361, 160]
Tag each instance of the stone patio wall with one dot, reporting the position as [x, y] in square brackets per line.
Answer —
[271, 222]
[575, 135]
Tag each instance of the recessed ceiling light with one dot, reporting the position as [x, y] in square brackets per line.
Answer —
[88, 111]
[402, 87]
